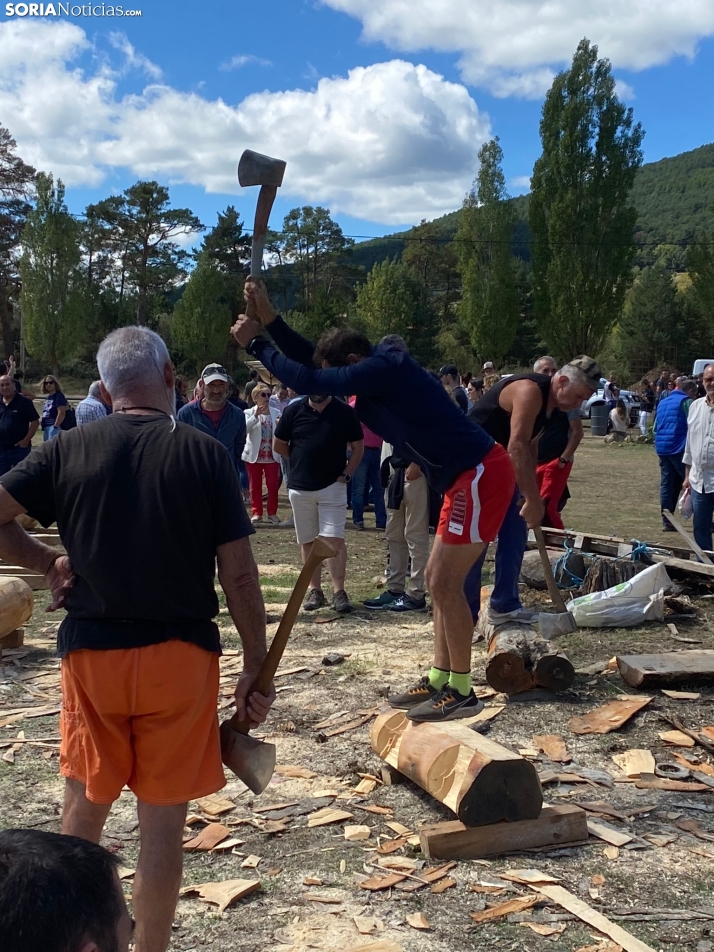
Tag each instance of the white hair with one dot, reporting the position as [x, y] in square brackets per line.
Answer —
[576, 375]
[94, 390]
[551, 360]
[130, 358]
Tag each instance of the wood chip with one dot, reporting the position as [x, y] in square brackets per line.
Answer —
[601, 947]
[398, 828]
[381, 945]
[681, 695]
[505, 909]
[311, 881]
[696, 767]
[609, 716]
[225, 893]
[608, 833]
[380, 811]
[587, 914]
[553, 746]
[635, 762]
[378, 883]
[612, 852]
[366, 925]
[677, 738]
[366, 786]
[209, 837]
[391, 846]
[650, 782]
[528, 877]
[417, 920]
[300, 773]
[215, 805]
[541, 928]
[251, 862]
[325, 900]
[326, 816]
[355, 833]
[442, 886]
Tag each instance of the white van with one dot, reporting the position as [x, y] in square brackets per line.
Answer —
[700, 364]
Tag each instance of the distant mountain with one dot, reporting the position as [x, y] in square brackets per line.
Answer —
[674, 199]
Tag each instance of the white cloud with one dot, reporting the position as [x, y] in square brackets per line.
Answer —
[521, 182]
[624, 90]
[244, 59]
[134, 60]
[510, 45]
[392, 142]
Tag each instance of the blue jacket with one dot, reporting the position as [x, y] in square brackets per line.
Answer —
[396, 398]
[231, 427]
[671, 425]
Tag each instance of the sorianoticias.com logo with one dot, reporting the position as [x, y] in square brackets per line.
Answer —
[67, 10]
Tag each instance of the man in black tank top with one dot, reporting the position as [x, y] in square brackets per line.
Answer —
[515, 412]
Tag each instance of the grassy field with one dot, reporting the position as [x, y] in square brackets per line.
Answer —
[665, 867]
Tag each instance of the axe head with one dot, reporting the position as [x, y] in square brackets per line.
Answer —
[251, 760]
[257, 169]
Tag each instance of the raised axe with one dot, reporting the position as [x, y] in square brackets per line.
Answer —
[251, 760]
[257, 169]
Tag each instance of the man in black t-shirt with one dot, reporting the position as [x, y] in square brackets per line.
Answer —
[139, 644]
[314, 434]
[18, 424]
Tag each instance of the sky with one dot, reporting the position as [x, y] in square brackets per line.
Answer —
[379, 107]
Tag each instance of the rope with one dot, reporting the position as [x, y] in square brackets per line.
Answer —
[640, 552]
[562, 569]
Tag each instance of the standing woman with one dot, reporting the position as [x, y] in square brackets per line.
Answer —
[258, 454]
[55, 407]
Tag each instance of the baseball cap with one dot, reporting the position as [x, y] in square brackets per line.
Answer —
[589, 368]
[213, 372]
[449, 369]
[488, 365]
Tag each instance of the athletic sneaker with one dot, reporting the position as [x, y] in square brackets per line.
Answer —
[358, 525]
[384, 600]
[341, 602]
[315, 599]
[274, 520]
[447, 705]
[405, 603]
[256, 520]
[417, 694]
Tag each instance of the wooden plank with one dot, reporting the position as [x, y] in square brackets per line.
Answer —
[666, 667]
[556, 826]
[685, 565]
[591, 543]
[685, 535]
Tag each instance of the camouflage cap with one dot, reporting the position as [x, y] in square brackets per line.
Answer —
[589, 368]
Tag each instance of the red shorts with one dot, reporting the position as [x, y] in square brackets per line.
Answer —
[475, 504]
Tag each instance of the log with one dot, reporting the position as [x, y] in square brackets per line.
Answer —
[16, 604]
[669, 667]
[519, 660]
[475, 777]
[15, 639]
[556, 826]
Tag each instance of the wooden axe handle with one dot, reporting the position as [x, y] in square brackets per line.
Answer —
[319, 552]
[553, 590]
[266, 197]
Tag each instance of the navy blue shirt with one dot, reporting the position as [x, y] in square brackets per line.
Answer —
[49, 411]
[15, 419]
[396, 398]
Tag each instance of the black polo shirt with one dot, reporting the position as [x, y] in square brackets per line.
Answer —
[15, 419]
[318, 442]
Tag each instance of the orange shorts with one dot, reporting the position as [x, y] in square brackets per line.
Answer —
[477, 501]
[142, 717]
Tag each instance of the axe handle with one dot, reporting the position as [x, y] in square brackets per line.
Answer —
[553, 590]
[319, 552]
[266, 197]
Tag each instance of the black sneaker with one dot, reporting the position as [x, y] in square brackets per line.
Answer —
[359, 525]
[315, 599]
[384, 600]
[405, 603]
[447, 705]
[420, 692]
[341, 602]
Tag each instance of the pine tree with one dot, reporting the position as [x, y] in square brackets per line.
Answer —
[580, 215]
[489, 307]
[16, 178]
[651, 325]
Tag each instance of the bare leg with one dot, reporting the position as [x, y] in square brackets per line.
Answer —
[316, 580]
[158, 874]
[446, 572]
[337, 567]
[81, 817]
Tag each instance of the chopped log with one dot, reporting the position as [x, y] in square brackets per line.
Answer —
[15, 639]
[519, 660]
[669, 667]
[556, 826]
[475, 777]
[16, 604]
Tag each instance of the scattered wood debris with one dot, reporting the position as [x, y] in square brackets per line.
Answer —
[223, 894]
[635, 762]
[553, 746]
[609, 716]
[209, 837]
[505, 909]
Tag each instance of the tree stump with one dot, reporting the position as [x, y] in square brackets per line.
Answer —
[519, 660]
[481, 781]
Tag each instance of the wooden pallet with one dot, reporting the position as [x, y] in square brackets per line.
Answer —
[593, 544]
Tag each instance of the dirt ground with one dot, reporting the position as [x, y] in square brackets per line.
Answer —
[658, 886]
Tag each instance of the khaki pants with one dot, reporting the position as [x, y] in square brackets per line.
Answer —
[407, 534]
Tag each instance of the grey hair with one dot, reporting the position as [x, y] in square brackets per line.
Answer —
[129, 359]
[688, 386]
[94, 390]
[576, 375]
[395, 341]
[540, 361]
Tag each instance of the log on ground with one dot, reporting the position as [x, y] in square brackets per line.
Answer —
[669, 667]
[481, 781]
[520, 660]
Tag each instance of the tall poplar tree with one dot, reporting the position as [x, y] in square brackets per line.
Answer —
[16, 178]
[581, 218]
[489, 307]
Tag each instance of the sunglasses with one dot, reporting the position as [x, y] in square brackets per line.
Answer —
[48, 382]
[264, 393]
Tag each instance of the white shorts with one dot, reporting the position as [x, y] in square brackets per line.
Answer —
[322, 512]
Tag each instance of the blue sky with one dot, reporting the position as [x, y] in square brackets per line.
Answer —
[379, 106]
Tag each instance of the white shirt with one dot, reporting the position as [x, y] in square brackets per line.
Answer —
[699, 451]
[618, 424]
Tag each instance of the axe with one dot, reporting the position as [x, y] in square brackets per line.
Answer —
[257, 169]
[251, 760]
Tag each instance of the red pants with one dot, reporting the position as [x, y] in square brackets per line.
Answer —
[255, 481]
[552, 483]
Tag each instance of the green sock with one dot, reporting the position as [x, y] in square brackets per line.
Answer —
[438, 677]
[460, 682]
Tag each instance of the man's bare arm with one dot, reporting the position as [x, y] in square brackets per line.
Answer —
[574, 439]
[524, 402]
[238, 576]
[356, 454]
